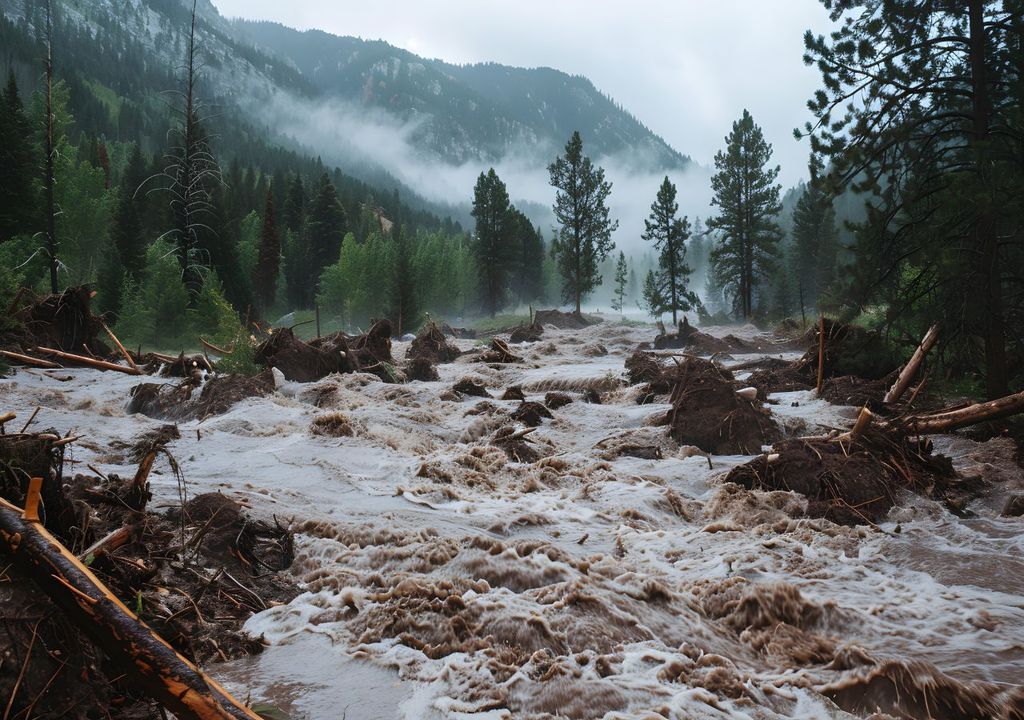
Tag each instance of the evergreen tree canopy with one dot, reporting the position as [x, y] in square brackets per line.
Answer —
[585, 228]
[936, 143]
[815, 242]
[747, 199]
[18, 205]
[621, 271]
[321, 238]
[265, 276]
[669, 234]
[494, 246]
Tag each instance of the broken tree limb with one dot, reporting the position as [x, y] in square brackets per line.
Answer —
[214, 349]
[821, 355]
[91, 362]
[910, 369]
[149, 661]
[108, 543]
[29, 360]
[120, 347]
[7, 417]
[961, 417]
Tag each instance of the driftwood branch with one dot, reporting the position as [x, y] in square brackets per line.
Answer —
[120, 347]
[91, 362]
[29, 360]
[961, 417]
[148, 660]
[910, 369]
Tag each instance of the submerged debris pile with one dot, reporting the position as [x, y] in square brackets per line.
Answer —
[192, 399]
[432, 345]
[194, 574]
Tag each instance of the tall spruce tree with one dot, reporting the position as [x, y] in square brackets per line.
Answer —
[585, 227]
[815, 241]
[17, 195]
[294, 205]
[323, 232]
[621, 278]
[494, 245]
[747, 198]
[402, 292]
[669, 233]
[936, 144]
[265, 275]
[528, 272]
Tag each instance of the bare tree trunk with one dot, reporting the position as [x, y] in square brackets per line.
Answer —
[51, 213]
[985, 231]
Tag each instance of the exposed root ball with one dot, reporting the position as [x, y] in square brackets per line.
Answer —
[431, 345]
[421, 368]
[468, 386]
[333, 424]
[218, 395]
[850, 483]
[514, 392]
[707, 412]
[564, 320]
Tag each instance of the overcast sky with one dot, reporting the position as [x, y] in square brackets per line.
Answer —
[685, 68]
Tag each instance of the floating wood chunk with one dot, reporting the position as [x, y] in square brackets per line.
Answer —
[150, 663]
[911, 368]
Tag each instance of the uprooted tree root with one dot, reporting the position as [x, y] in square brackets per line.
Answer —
[63, 322]
[855, 481]
[708, 413]
[193, 575]
[432, 345]
[564, 320]
[181, 401]
[306, 361]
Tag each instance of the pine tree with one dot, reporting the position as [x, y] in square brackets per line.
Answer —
[652, 299]
[17, 197]
[669, 234]
[494, 246]
[528, 280]
[294, 205]
[815, 241]
[402, 291]
[937, 145]
[325, 228]
[621, 278]
[747, 198]
[265, 277]
[584, 236]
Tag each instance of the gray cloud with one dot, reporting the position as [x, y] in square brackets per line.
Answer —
[685, 68]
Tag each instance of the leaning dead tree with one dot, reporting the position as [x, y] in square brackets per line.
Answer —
[190, 171]
[48, 181]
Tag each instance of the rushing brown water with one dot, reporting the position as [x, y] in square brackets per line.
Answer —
[444, 580]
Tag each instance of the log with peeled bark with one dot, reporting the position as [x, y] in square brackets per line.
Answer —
[910, 369]
[91, 362]
[149, 662]
[29, 360]
[948, 420]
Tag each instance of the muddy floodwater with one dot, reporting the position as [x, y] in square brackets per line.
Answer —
[443, 580]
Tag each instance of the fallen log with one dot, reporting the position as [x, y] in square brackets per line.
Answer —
[961, 417]
[29, 360]
[148, 660]
[911, 368]
[91, 362]
[7, 417]
[120, 347]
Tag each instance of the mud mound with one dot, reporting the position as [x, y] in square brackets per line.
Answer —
[516, 444]
[333, 424]
[469, 386]
[852, 390]
[852, 483]
[707, 412]
[148, 441]
[421, 368]
[514, 392]
[499, 352]
[531, 414]
[526, 333]
[430, 344]
[643, 367]
[216, 396]
[849, 350]
[304, 362]
[564, 320]
[779, 379]
[555, 400]
[690, 338]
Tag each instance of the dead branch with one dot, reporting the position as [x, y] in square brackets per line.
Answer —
[962, 417]
[911, 368]
[29, 360]
[821, 355]
[120, 347]
[98, 364]
[150, 662]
